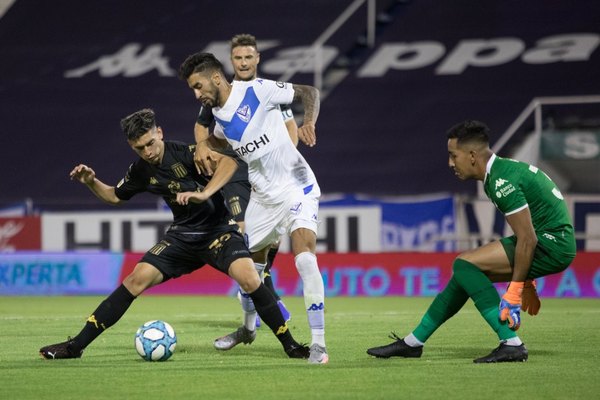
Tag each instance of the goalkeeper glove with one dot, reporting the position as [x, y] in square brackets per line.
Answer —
[510, 305]
[531, 302]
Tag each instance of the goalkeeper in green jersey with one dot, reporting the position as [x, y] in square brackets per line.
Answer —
[543, 243]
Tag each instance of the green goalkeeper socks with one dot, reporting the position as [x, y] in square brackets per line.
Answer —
[485, 296]
[467, 281]
[445, 305]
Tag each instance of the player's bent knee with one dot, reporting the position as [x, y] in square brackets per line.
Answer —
[136, 284]
[143, 276]
[243, 272]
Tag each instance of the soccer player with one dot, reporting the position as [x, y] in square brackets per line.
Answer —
[285, 193]
[201, 233]
[244, 59]
[543, 243]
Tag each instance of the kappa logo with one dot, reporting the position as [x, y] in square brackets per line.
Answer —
[316, 307]
[130, 61]
[244, 113]
[500, 182]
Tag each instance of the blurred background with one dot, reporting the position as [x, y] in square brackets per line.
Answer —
[394, 76]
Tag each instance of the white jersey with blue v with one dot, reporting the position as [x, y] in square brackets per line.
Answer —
[251, 122]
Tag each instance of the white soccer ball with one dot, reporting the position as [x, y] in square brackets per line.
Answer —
[155, 341]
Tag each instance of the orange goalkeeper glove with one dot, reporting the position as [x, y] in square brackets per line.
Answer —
[531, 302]
[510, 305]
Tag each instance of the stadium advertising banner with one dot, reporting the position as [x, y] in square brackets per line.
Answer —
[34, 273]
[407, 223]
[420, 274]
[20, 233]
[348, 224]
[349, 274]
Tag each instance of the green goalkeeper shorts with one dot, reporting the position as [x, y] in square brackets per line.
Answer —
[553, 254]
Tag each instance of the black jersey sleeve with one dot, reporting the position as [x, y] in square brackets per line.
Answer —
[205, 116]
[130, 185]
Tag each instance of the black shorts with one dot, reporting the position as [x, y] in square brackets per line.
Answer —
[237, 196]
[180, 253]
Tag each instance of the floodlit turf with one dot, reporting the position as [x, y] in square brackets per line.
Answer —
[562, 341]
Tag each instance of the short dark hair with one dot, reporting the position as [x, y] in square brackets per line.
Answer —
[470, 131]
[199, 62]
[243, 39]
[138, 124]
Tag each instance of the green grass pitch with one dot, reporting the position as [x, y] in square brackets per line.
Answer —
[562, 341]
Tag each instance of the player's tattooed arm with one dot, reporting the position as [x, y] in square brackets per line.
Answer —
[309, 96]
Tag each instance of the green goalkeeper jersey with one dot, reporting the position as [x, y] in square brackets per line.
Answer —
[513, 185]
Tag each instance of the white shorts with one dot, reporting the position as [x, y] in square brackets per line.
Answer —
[266, 223]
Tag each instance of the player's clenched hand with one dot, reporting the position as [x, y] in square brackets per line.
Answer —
[531, 302]
[83, 174]
[307, 134]
[184, 198]
[510, 305]
[203, 158]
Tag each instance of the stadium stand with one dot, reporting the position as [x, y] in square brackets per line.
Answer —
[71, 70]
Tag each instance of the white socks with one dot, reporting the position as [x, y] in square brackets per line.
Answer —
[314, 295]
[515, 341]
[412, 341]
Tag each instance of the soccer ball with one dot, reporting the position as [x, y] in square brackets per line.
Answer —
[155, 341]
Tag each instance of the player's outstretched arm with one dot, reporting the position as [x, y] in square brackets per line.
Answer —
[224, 167]
[87, 176]
[309, 96]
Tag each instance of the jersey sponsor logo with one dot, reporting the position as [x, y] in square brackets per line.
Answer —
[505, 191]
[251, 147]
